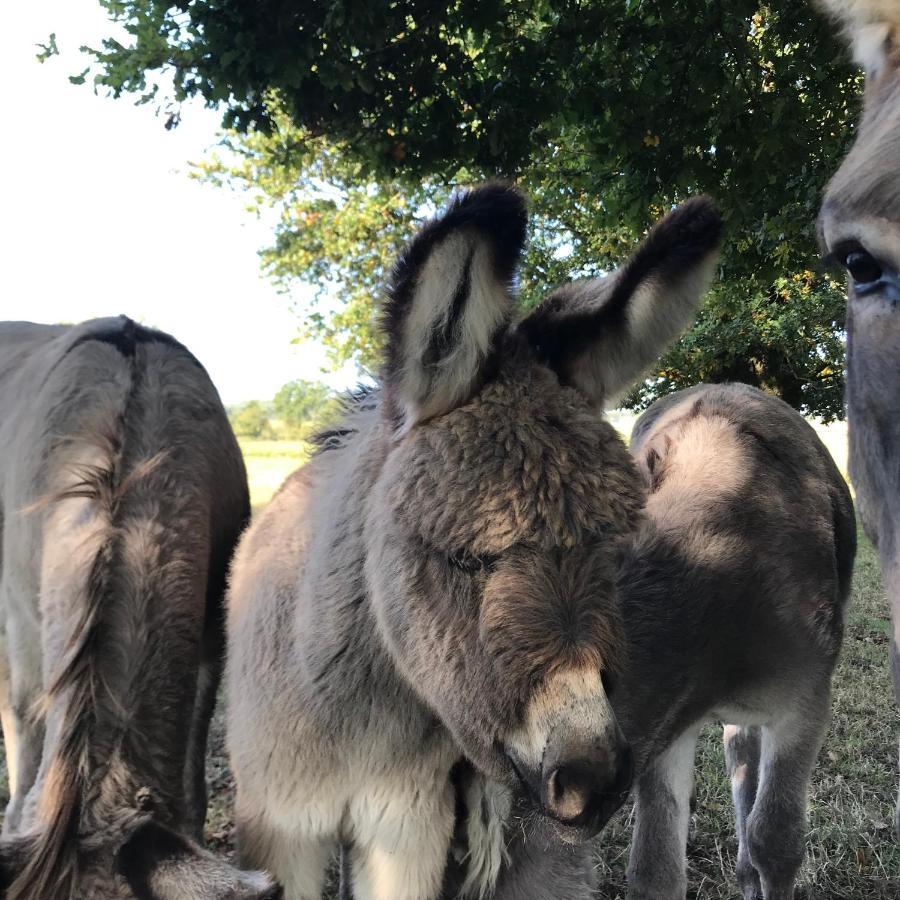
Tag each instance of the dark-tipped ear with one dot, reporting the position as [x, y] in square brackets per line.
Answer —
[449, 299]
[601, 334]
[160, 864]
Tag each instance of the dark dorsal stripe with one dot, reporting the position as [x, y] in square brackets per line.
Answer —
[127, 335]
[446, 335]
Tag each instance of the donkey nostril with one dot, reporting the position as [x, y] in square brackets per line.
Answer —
[568, 791]
[275, 893]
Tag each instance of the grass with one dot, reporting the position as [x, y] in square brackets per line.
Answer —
[851, 852]
[268, 464]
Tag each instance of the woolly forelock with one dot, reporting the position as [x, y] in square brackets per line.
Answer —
[526, 461]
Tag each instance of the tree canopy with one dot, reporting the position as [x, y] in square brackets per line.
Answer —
[354, 119]
[304, 407]
[299, 410]
[251, 419]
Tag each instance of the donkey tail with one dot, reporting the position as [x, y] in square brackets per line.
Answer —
[53, 867]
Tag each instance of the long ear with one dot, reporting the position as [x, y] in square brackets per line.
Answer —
[449, 299]
[601, 334]
[873, 27]
[159, 864]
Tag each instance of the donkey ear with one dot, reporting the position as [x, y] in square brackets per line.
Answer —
[873, 28]
[449, 299]
[601, 334]
[159, 864]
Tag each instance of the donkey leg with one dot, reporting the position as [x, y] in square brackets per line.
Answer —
[657, 865]
[776, 826]
[299, 861]
[400, 841]
[892, 584]
[7, 720]
[742, 753]
[895, 671]
[208, 677]
[23, 732]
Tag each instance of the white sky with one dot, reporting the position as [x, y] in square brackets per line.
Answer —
[99, 216]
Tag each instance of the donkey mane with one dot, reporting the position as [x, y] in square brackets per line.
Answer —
[52, 867]
[362, 398]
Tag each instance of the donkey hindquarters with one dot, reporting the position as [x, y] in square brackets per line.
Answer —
[122, 494]
[733, 599]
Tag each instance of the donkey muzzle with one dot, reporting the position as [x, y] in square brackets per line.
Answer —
[584, 791]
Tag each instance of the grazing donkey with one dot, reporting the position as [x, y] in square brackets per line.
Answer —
[122, 494]
[439, 580]
[860, 228]
[732, 598]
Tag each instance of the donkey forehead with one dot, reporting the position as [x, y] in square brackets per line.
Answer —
[523, 462]
[865, 186]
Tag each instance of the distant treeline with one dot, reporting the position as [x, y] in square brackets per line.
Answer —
[298, 411]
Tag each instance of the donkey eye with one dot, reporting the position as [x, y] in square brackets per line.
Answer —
[862, 266]
[470, 563]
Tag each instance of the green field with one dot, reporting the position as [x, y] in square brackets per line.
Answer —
[268, 464]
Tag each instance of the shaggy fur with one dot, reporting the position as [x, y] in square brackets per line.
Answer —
[860, 220]
[439, 580]
[121, 496]
[873, 28]
[732, 596]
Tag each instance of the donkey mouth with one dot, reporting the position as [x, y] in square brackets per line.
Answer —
[571, 831]
[577, 831]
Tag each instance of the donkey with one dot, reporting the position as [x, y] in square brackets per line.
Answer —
[122, 494]
[439, 580]
[732, 600]
[859, 228]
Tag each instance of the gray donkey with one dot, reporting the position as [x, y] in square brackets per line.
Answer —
[122, 494]
[732, 599]
[439, 580]
[860, 229]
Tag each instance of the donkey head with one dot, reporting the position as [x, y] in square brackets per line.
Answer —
[860, 218]
[496, 524]
[859, 227]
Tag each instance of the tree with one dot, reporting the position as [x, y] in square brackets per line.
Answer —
[304, 406]
[356, 118]
[251, 419]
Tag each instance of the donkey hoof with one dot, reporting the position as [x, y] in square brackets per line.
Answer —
[748, 881]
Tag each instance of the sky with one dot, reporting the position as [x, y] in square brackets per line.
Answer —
[99, 216]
